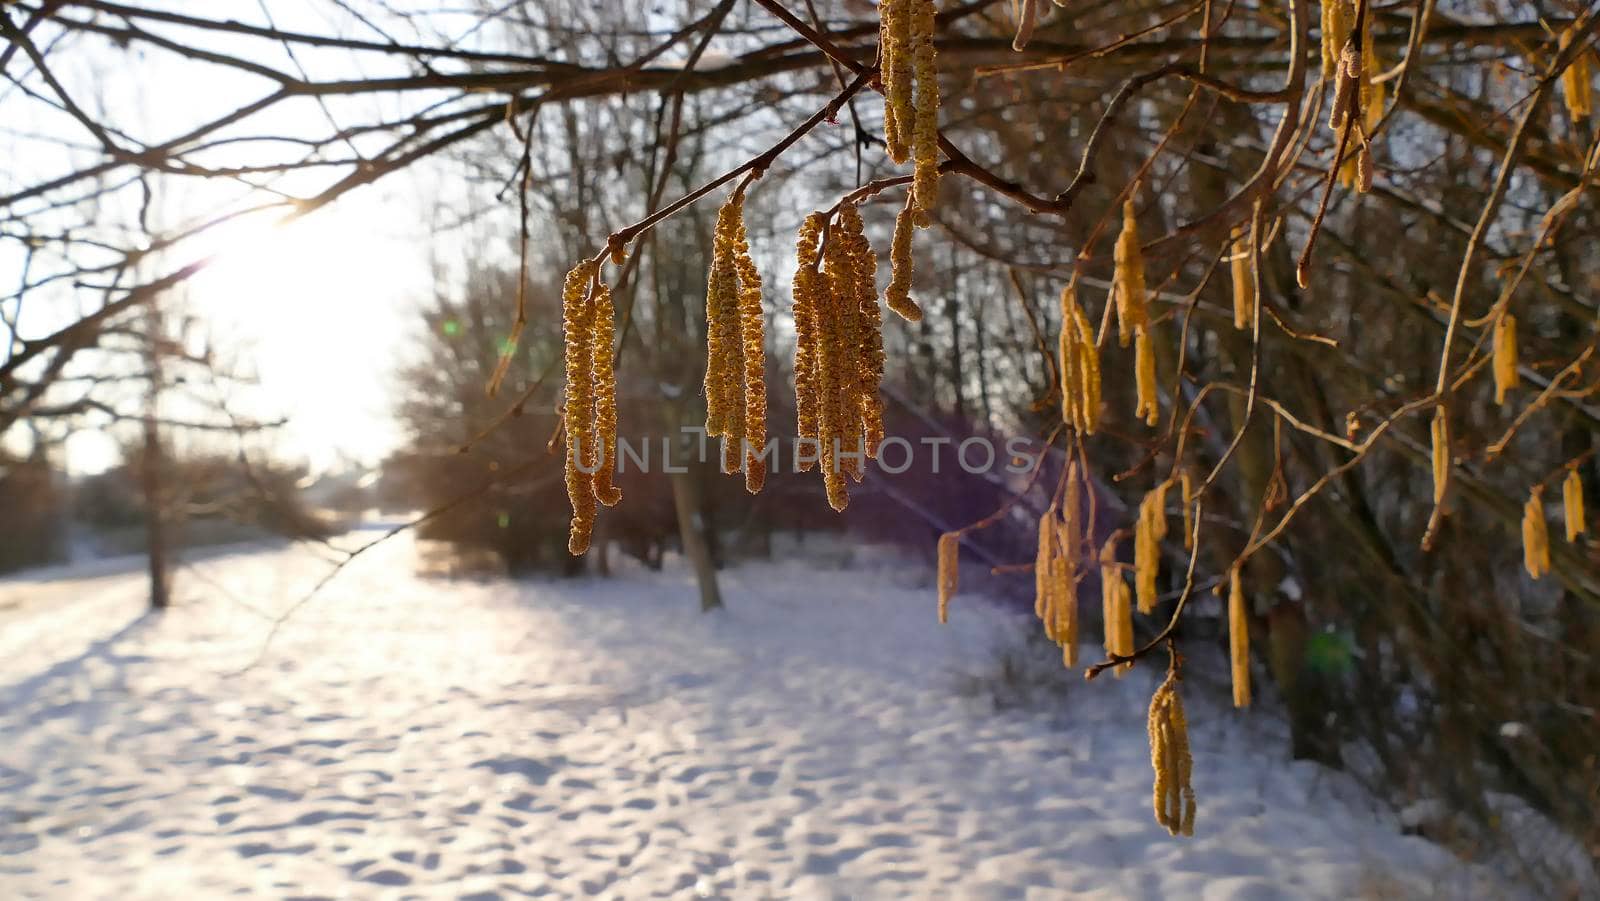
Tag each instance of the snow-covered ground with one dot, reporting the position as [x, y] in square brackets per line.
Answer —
[406, 737]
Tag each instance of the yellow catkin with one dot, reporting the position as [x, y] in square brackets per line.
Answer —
[724, 382]
[835, 375]
[809, 288]
[894, 40]
[1577, 85]
[1079, 365]
[1116, 607]
[1572, 505]
[925, 132]
[1064, 610]
[1069, 532]
[753, 362]
[1239, 640]
[1504, 345]
[1357, 169]
[949, 557]
[1441, 454]
[898, 294]
[839, 355]
[1128, 282]
[1337, 18]
[1147, 405]
[1535, 537]
[578, 413]
[605, 396]
[1042, 582]
[1173, 796]
[1244, 286]
[869, 355]
[1151, 528]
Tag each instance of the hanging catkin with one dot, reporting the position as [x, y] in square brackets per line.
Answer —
[1064, 609]
[753, 363]
[869, 355]
[1116, 611]
[949, 556]
[1504, 347]
[1147, 406]
[1337, 18]
[1238, 640]
[724, 376]
[925, 133]
[898, 294]
[894, 41]
[839, 355]
[1577, 87]
[1535, 537]
[605, 396]
[1356, 171]
[578, 413]
[1244, 286]
[1572, 504]
[735, 384]
[1151, 528]
[1441, 454]
[835, 369]
[1079, 365]
[1065, 591]
[809, 289]
[1127, 281]
[1169, 756]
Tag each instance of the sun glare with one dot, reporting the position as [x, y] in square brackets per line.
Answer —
[316, 309]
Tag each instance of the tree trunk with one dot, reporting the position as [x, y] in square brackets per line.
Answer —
[691, 531]
[154, 494]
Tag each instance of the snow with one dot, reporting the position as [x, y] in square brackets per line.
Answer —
[407, 737]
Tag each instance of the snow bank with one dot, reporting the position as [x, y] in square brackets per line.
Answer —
[406, 737]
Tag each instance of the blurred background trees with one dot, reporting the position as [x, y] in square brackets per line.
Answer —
[541, 128]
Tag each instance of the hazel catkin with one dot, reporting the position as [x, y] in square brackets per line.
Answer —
[578, 412]
[809, 286]
[898, 294]
[1577, 85]
[1079, 366]
[1535, 536]
[1503, 343]
[1147, 406]
[1244, 287]
[605, 396]
[1173, 795]
[925, 130]
[1128, 283]
[1572, 504]
[1238, 640]
[949, 554]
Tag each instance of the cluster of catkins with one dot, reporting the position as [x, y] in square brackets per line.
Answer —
[911, 96]
[1535, 535]
[1079, 365]
[1350, 61]
[1055, 569]
[736, 381]
[590, 414]
[838, 358]
[1169, 756]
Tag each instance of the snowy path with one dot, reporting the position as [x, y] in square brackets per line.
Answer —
[410, 738]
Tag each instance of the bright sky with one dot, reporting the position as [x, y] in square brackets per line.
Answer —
[321, 310]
